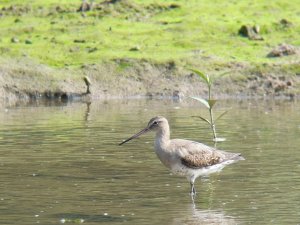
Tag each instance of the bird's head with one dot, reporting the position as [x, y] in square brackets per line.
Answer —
[155, 124]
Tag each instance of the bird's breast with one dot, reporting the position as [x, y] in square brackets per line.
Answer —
[164, 158]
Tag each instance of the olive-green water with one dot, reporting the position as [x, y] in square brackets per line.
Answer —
[62, 164]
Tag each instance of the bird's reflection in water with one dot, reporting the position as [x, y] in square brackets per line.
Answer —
[194, 216]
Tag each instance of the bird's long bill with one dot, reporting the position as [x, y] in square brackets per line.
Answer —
[136, 135]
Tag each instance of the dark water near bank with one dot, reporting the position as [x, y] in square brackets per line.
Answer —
[62, 164]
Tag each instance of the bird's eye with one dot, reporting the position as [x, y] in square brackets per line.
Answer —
[155, 123]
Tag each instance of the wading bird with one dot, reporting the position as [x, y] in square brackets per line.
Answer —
[183, 157]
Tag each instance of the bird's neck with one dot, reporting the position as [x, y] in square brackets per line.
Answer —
[162, 138]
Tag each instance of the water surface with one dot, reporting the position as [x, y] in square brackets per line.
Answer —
[61, 164]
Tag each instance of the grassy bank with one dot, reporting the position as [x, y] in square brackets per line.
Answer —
[202, 34]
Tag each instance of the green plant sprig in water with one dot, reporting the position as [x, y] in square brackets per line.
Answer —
[209, 103]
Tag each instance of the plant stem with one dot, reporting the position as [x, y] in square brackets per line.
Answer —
[212, 122]
[209, 95]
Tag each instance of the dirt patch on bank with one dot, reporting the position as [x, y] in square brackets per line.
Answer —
[26, 81]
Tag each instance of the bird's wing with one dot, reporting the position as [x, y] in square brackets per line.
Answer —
[197, 155]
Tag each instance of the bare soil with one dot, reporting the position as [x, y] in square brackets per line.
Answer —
[26, 81]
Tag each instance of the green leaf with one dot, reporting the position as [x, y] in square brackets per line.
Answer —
[221, 115]
[223, 74]
[211, 103]
[202, 118]
[202, 75]
[218, 76]
[203, 101]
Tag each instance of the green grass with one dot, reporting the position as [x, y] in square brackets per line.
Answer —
[192, 31]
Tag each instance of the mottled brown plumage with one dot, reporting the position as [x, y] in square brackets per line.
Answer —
[197, 161]
[188, 158]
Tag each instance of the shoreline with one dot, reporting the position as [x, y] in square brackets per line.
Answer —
[29, 82]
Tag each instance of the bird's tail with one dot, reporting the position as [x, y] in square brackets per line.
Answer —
[238, 157]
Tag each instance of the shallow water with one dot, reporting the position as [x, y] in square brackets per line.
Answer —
[62, 164]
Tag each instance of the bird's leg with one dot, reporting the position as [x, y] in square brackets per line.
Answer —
[192, 181]
[193, 191]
